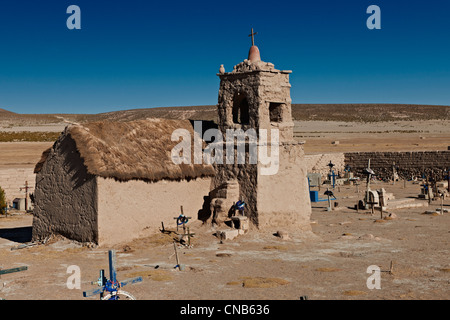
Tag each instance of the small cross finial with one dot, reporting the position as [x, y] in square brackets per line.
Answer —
[253, 38]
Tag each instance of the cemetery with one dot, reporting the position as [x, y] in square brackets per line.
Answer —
[309, 230]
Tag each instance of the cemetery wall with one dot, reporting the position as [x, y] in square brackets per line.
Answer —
[11, 180]
[408, 164]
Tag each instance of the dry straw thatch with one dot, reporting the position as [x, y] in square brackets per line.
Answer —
[133, 150]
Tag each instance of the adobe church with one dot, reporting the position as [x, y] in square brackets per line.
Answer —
[105, 182]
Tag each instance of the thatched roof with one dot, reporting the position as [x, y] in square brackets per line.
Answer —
[132, 150]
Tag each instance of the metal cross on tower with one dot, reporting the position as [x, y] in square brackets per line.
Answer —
[253, 38]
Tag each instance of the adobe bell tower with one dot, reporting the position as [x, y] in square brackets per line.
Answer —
[256, 96]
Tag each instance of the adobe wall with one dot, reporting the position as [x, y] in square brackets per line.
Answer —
[11, 180]
[410, 164]
[65, 196]
[128, 210]
[278, 200]
[283, 198]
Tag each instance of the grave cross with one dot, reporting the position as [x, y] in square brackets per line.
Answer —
[332, 176]
[189, 235]
[12, 270]
[112, 286]
[252, 34]
[182, 220]
[26, 188]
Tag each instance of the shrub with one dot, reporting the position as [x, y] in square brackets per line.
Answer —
[2, 201]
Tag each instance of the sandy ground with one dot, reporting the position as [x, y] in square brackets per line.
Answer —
[377, 136]
[21, 154]
[328, 263]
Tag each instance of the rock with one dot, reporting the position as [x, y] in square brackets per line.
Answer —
[227, 234]
[282, 234]
[391, 216]
[366, 236]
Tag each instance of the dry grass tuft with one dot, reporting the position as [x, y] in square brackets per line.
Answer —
[155, 275]
[354, 293]
[280, 248]
[328, 269]
[261, 282]
[223, 254]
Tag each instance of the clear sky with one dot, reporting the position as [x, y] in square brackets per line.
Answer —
[142, 53]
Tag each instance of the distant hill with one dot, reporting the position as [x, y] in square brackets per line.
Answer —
[180, 113]
[304, 112]
[369, 112]
[5, 112]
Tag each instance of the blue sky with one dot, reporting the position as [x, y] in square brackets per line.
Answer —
[141, 53]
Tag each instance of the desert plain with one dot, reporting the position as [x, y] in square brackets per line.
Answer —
[330, 262]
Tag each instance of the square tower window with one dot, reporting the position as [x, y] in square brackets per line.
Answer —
[275, 112]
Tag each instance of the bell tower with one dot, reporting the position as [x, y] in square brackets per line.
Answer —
[256, 96]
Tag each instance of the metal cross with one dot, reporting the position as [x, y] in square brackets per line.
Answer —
[253, 38]
[110, 285]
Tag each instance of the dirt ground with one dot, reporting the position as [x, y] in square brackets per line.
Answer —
[429, 135]
[330, 262]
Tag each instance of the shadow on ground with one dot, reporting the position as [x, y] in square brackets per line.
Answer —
[20, 234]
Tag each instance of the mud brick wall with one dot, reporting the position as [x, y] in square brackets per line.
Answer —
[409, 164]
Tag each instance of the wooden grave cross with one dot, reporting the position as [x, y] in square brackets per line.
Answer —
[189, 235]
[12, 270]
[182, 220]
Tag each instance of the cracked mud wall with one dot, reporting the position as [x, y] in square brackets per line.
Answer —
[66, 196]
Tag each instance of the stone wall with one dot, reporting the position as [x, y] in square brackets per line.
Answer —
[318, 163]
[409, 164]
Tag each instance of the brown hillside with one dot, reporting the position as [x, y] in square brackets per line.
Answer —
[303, 112]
